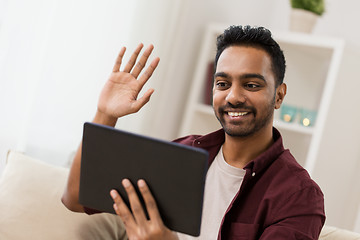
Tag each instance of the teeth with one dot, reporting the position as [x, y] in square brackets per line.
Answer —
[236, 114]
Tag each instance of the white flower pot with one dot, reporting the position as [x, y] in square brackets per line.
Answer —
[302, 20]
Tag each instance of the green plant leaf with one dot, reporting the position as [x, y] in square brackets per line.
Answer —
[315, 6]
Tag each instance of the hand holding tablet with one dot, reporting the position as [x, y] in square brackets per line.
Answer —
[174, 173]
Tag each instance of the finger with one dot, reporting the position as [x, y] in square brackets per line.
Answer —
[149, 71]
[136, 207]
[142, 62]
[117, 65]
[149, 202]
[133, 58]
[122, 210]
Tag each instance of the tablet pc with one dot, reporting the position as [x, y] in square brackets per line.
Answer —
[175, 174]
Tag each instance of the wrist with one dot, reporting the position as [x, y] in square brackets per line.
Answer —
[104, 119]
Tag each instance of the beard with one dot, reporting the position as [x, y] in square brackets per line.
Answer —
[247, 128]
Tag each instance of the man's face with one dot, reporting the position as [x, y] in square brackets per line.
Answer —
[244, 91]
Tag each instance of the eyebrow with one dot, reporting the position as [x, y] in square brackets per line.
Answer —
[243, 76]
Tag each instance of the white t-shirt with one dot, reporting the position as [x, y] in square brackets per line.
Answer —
[222, 183]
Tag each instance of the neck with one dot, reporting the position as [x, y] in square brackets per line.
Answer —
[239, 151]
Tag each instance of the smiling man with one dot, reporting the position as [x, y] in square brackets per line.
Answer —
[244, 91]
[254, 187]
[245, 95]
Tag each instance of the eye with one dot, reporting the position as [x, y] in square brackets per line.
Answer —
[222, 84]
[252, 86]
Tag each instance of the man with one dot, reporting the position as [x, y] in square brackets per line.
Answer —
[254, 187]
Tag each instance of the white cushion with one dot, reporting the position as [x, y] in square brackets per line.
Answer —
[333, 233]
[31, 208]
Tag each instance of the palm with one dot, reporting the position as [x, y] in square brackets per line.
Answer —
[119, 96]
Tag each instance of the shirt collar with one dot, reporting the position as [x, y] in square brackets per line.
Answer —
[213, 141]
[262, 161]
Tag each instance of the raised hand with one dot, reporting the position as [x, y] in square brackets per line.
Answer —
[119, 96]
[136, 224]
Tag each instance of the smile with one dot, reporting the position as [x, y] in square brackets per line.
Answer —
[237, 114]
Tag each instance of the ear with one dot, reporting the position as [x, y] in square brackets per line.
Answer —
[280, 95]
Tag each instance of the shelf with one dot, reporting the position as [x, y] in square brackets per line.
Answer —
[294, 127]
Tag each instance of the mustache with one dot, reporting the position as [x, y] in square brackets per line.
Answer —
[239, 106]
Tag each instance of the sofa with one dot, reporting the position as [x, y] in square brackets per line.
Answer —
[30, 207]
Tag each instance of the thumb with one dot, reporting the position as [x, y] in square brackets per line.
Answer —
[140, 102]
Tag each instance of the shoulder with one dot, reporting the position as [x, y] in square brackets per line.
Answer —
[187, 140]
[293, 171]
[210, 142]
[291, 181]
[293, 190]
[211, 139]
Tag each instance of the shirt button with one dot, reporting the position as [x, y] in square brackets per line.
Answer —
[198, 142]
[253, 174]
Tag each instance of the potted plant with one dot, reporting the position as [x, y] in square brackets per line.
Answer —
[305, 13]
[315, 6]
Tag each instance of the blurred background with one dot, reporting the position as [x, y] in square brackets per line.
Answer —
[56, 55]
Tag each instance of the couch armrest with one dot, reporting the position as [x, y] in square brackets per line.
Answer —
[31, 208]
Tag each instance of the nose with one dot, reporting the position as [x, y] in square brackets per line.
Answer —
[236, 95]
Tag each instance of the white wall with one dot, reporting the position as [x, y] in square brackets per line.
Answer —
[55, 55]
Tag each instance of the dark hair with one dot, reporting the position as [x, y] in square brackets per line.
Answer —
[258, 37]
